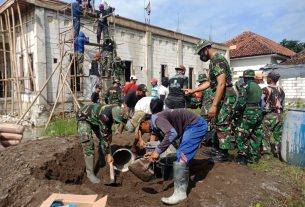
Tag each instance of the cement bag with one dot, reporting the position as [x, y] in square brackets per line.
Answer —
[12, 128]
[10, 136]
[7, 143]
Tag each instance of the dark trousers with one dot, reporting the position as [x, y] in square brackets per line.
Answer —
[101, 27]
[76, 26]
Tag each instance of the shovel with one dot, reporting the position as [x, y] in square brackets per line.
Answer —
[112, 176]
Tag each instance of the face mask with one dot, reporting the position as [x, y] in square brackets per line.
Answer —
[204, 56]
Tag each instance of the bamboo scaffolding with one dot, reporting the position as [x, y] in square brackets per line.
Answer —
[11, 58]
[50, 76]
[59, 93]
[30, 70]
[15, 60]
[5, 66]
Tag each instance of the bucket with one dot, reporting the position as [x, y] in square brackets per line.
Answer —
[166, 165]
[122, 158]
[293, 138]
[150, 146]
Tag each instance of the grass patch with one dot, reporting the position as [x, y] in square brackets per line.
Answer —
[62, 127]
[292, 175]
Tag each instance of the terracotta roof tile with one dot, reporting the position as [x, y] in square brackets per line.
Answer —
[297, 59]
[251, 44]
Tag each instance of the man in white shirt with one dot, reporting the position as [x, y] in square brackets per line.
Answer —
[163, 89]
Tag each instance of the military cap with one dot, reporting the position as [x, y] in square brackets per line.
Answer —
[119, 114]
[202, 44]
[142, 87]
[116, 81]
[202, 78]
[275, 76]
[249, 74]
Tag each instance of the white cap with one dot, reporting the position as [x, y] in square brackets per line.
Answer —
[133, 77]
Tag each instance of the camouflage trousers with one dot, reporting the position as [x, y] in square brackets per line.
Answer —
[80, 63]
[247, 144]
[85, 130]
[223, 120]
[270, 132]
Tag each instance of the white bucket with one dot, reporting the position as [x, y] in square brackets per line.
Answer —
[122, 158]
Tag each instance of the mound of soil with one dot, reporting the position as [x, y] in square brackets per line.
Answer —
[33, 170]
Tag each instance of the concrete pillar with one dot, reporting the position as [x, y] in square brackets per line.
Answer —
[148, 68]
[39, 54]
[179, 53]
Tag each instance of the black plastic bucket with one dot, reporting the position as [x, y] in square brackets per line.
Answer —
[166, 165]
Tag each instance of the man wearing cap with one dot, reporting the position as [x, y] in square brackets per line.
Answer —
[154, 88]
[114, 94]
[131, 86]
[248, 145]
[273, 102]
[131, 98]
[177, 124]
[94, 75]
[176, 97]
[222, 107]
[98, 119]
[102, 25]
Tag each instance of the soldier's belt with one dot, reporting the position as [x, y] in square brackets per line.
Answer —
[253, 104]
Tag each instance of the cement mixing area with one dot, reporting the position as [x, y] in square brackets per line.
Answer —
[35, 169]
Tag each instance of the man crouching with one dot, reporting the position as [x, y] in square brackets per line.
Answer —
[99, 119]
[182, 124]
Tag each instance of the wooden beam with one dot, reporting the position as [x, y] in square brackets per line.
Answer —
[5, 66]
[25, 43]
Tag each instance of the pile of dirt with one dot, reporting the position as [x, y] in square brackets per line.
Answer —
[33, 170]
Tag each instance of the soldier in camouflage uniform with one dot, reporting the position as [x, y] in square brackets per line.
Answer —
[98, 119]
[222, 107]
[118, 68]
[251, 118]
[114, 94]
[273, 101]
[240, 104]
[108, 52]
[206, 101]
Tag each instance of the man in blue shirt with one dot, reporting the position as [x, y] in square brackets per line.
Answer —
[77, 10]
[79, 48]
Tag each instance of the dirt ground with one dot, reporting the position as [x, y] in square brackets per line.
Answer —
[33, 170]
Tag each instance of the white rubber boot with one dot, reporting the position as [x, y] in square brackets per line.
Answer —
[181, 180]
[89, 169]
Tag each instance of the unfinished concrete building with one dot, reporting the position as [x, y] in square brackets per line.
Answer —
[36, 48]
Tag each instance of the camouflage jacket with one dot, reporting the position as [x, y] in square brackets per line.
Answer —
[114, 95]
[97, 115]
[219, 65]
[273, 99]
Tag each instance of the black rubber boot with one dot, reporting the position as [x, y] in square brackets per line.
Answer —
[241, 160]
[221, 157]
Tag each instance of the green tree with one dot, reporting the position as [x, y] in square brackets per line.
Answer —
[294, 45]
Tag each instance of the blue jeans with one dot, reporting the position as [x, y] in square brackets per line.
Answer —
[76, 26]
[191, 139]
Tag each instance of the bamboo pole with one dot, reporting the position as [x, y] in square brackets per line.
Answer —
[30, 69]
[58, 95]
[15, 59]
[11, 58]
[50, 76]
[5, 66]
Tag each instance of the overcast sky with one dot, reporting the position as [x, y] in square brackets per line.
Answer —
[223, 19]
